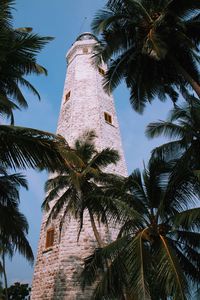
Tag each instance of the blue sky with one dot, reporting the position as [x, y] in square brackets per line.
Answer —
[64, 20]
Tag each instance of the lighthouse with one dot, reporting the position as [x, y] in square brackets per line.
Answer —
[85, 106]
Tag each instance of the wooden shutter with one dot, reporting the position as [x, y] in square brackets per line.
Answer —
[67, 96]
[108, 118]
[101, 71]
[50, 238]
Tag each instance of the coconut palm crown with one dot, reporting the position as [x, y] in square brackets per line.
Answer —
[13, 224]
[18, 58]
[182, 128]
[152, 45]
[156, 254]
[80, 186]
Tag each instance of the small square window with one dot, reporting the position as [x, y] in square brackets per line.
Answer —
[85, 50]
[108, 118]
[101, 71]
[67, 96]
[49, 238]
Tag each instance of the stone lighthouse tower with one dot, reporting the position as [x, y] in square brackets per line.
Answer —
[85, 106]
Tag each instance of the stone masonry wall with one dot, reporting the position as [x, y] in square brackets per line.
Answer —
[57, 269]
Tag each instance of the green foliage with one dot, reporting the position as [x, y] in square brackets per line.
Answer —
[1, 292]
[158, 246]
[13, 224]
[22, 147]
[26, 147]
[18, 58]
[152, 45]
[183, 128]
[81, 185]
[18, 291]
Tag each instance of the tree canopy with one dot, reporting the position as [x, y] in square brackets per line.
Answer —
[152, 45]
[156, 254]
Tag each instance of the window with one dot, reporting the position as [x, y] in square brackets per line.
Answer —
[67, 96]
[101, 71]
[108, 118]
[49, 238]
[85, 50]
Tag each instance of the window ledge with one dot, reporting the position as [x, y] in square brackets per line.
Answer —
[47, 250]
[110, 124]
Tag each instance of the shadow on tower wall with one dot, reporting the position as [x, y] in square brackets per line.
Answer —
[60, 286]
[65, 289]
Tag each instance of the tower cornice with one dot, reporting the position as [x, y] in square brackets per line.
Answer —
[84, 40]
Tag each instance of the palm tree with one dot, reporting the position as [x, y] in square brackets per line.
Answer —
[80, 186]
[1, 291]
[18, 58]
[152, 45]
[13, 224]
[5, 251]
[183, 128]
[156, 255]
[22, 147]
[13, 231]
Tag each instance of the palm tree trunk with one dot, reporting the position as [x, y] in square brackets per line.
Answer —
[96, 233]
[4, 275]
[195, 85]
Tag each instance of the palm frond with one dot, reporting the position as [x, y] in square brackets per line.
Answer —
[104, 158]
[5, 13]
[188, 237]
[28, 85]
[137, 262]
[167, 129]
[169, 271]
[98, 260]
[14, 227]
[25, 147]
[59, 204]
[188, 219]
[182, 8]
[190, 269]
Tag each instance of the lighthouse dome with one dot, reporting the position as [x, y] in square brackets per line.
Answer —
[86, 36]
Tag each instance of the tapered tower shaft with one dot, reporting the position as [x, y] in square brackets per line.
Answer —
[85, 106]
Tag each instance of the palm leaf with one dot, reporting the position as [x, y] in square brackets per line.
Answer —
[98, 260]
[183, 7]
[167, 129]
[14, 227]
[26, 147]
[137, 262]
[104, 158]
[170, 273]
[5, 13]
[188, 219]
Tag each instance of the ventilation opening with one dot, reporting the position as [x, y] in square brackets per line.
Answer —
[108, 118]
[101, 71]
[49, 238]
[67, 96]
[85, 50]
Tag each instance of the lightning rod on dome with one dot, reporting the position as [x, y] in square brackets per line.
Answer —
[82, 25]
